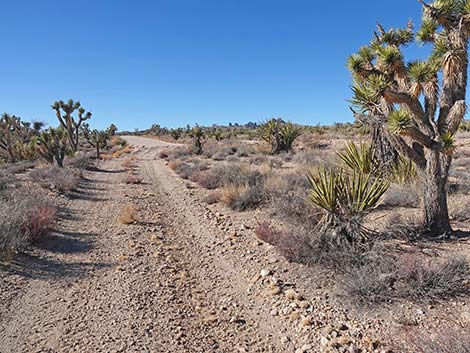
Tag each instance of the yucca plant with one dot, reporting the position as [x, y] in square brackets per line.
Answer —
[358, 158]
[346, 198]
[279, 134]
[420, 105]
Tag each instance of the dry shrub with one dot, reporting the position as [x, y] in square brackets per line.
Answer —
[120, 152]
[206, 179]
[6, 180]
[186, 170]
[212, 198]
[294, 246]
[401, 196]
[18, 167]
[24, 218]
[128, 214]
[460, 211]
[243, 197]
[63, 180]
[81, 163]
[174, 164]
[433, 278]
[133, 179]
[386, 277]
[288, 196]
[118, 141]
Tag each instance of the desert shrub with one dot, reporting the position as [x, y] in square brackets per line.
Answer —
[288, 195]
[236, 174]
[187, 169]
[410, 276]
[401, 196]
[63, 180]
[118, 141]
[309, 157]
[81, 162]
[232, 159]
[403, 228]
[206, 179]
[448, 337]
[239, 197]
[128, 214]
[212, 198]
[24, 218]
[18, 167]
[433, 278]
[294, 246]
[460, 211]
[6, 180]
[259, 159]
[133, 179]
[174, 164]
[178, 153]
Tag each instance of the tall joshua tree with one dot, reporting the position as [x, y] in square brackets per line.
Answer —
[70, 124]
[419, 105]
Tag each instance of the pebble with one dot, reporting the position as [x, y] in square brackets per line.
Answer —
[264, 273]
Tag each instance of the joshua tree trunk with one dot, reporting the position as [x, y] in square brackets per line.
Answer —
[97, 151]
[385, 153]
[436, 216]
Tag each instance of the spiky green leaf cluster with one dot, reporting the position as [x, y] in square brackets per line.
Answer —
[399, 121]
[403, 171]
[367, 93]
[346, 195]
[421, 71]
[360, 158]
[389, 57]
[448, 141]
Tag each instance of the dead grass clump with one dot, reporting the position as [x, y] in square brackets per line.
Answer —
[243, 197]
[125, 150]
[128, 214]
[24, 218]
[186, 170]
[133, 179]
[64, 180]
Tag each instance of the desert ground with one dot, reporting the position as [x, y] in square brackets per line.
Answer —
[183, 275]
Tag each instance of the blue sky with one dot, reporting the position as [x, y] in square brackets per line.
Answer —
[178, 62]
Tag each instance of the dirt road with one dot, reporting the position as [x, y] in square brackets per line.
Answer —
[184, 278]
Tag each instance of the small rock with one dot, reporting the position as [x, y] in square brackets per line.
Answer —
[285, 339]
[324, 341]
[264, 273]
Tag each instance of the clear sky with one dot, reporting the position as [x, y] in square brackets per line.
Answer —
[174, 62]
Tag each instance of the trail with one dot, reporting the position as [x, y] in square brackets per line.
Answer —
[179, 280]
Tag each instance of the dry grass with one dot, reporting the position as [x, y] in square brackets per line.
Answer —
[128, 214]
[128, 163]
[125, 150]
[64, 180]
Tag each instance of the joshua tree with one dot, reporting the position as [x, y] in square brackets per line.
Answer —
[198, 135]
[14, 136]
[97, 139]
[51, 145]
[279, 135]
[71, 125]
[111, 130]
[419, 105]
